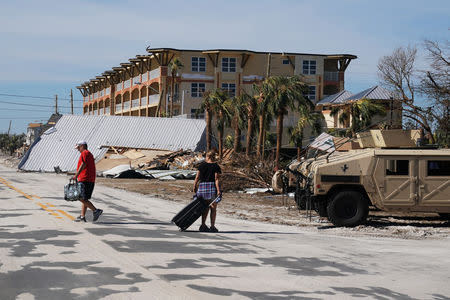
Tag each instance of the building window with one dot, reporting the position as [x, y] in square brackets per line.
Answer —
[228, 64]
[197, 89]
[285, 61]
[198, 64]
[309, 67]
[230, 88]
[397, 167]
[438, 168]
[311, 94]
[197, 113]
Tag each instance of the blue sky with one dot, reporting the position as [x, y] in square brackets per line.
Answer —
[49, 46]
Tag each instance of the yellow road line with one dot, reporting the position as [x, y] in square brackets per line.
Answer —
[5, 182]
[66, 214]
[43, 206]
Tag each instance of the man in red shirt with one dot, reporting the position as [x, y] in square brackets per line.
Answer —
[86, 176]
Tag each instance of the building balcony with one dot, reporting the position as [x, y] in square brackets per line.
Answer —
[330, 76]
[118, 107]
[135, 103]
[155, 73]
[153, 100]
[145, 77]
[137, 80]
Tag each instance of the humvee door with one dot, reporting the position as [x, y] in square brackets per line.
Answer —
[396, 179]
[434, 182]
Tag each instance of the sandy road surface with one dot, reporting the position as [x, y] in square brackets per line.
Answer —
[133, 252]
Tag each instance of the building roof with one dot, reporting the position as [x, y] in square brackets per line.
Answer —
[331, 56]
[335, 98]
[373, 93]
[56, 145]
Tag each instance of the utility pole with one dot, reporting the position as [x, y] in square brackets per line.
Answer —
[71, 101]
[9, 128]
[56, 104]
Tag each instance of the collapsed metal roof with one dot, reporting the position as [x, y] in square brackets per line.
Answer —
[55, 148]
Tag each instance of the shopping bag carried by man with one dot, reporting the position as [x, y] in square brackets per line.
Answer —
[73, 190]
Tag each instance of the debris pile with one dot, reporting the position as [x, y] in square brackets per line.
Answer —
[240, 172]
[182, 159]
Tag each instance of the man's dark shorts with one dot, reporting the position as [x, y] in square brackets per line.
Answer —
[88, 189]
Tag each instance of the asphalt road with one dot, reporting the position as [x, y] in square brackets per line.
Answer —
[133, 252]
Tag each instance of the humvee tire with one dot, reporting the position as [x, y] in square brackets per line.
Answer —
[348, 208]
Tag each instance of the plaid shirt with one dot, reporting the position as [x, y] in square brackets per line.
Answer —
[207, 190]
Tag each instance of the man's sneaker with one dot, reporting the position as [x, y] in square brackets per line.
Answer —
[80, 219]
[97, 214]
[203, 228]
[213, 229]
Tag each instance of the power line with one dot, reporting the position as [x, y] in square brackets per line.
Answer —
[36, 105]
[23, 118]
[37, 97]
[24, 109]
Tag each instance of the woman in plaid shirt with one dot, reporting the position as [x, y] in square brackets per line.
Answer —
[209, 177]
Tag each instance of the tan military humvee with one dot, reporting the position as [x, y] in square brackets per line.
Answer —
[342, 185]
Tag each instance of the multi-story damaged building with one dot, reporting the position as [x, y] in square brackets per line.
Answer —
[142, 86]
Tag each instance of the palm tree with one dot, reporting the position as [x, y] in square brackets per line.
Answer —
[238, 105]
[264, 114]
[206, 107]
[174, 66]
[307, 117]
[251, 113]
[218, 103]
[363, 111]
[358, 114]
[285, 93]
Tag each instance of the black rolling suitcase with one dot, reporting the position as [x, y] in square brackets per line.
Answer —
[188, 215]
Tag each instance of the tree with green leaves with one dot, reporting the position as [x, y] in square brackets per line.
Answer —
[218, 104]
[285, 92]
[358, 114]
[251, 114]
[307, 118]
[264, 114]
[174, 66]
[206, 107]
[238, 107]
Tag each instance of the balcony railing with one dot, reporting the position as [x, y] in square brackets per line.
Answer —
[126, 105]
[107, 91]
[127, 83]
[135, 103]
[95, 112]
[118, 107]
[145, 77]
[107, 110]
[331, 76]
[144, 101]
[153, 99]
[155, 73]
[137, 80]
[119, 86]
